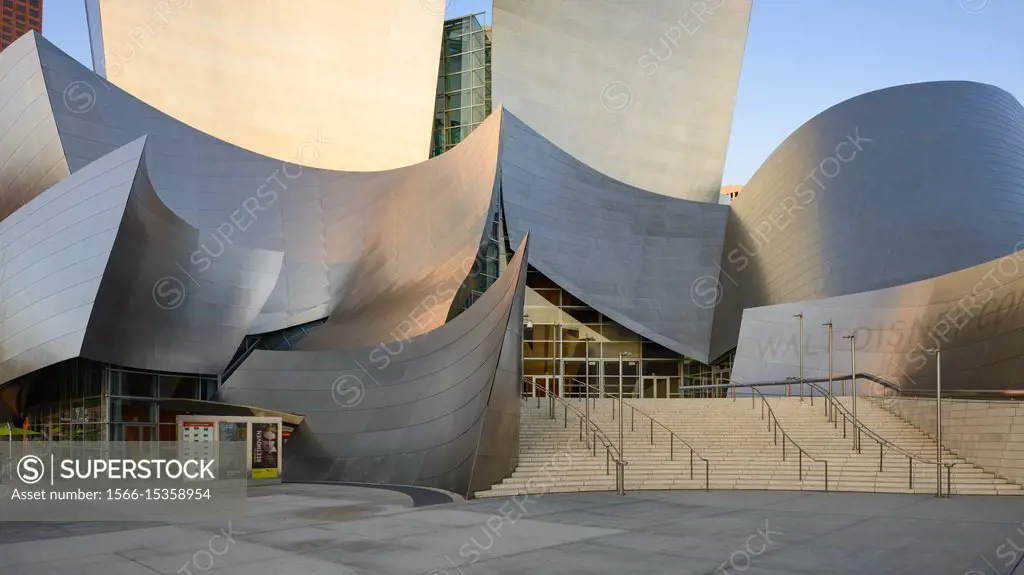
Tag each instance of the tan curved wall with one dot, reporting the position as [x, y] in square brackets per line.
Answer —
[641, 91]
[267, 74]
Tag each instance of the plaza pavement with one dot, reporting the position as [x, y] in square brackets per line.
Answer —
[336, 530]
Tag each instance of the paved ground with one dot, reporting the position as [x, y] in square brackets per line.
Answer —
[335, 530]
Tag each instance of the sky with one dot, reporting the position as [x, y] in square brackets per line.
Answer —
[802, 56]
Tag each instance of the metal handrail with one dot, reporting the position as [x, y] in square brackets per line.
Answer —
[884, 442]
[771, 416]
[620, 464]
[978, 394]
[672, 434]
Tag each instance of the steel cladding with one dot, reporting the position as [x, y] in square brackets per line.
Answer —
[640, 91]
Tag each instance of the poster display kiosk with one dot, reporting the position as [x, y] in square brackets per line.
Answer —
[200, 435]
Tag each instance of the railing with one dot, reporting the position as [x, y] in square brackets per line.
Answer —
[801, 452]
[976, 394]
[672, 436]
[611, 452]
[881, 441]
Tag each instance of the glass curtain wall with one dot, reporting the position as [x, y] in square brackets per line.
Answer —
[463, 97]
[83, 400]
[568, 346]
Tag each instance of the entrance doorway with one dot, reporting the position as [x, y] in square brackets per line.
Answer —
[542, 386]
[655, 387]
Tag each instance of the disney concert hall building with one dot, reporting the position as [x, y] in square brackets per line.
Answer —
[267, 232]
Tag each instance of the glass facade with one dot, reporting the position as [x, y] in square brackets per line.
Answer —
[84, 400]
[568, 345]
[463, 97]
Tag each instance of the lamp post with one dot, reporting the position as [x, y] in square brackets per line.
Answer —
[830, 394]
[528, 324]
[800, 316]
[622, 416]
[853, 375]
[938, 420]
[560, 357]
[586, 384]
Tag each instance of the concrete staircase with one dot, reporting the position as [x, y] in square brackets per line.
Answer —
[852, 471]
[741, 450]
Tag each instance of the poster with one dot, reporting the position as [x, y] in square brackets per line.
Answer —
[231, 461]
[265, 450]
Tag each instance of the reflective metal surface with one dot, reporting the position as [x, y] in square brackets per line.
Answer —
[80, 273]
[31, 156]
[640, 91]
[891, 187]
[52, 257]
[439, 410]
[975, 316]
[346, 236]
[265, 75]
[631, 254]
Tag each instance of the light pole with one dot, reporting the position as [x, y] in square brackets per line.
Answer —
[586, 384]
[830, 394]
[800, 316]
[938, 420]
[528, 324]
[853, 375]
[560, 359]
[622, 416]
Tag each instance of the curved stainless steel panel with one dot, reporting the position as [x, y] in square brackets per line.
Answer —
[78, 266]
[340, 231]
[54, 251]
[144, 319]
[640, 91]
[363, 72]
[31, 157]
[887, 188]
[975, 316]
[632, 255]
[439, 410]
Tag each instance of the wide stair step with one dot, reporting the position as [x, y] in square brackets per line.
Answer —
[744, 450]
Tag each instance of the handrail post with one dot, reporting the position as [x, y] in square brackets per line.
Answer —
[826, 476]
[671, 454]
[607, 460]
[801, 463]
[581, 432]
[565, 416]
[707, 475]
[800, 316]
[691, 463]
[632, 417]
[949, 481]
[880, 456]
[910, 468]
[652, 431]
[593, 444]
[938, 419]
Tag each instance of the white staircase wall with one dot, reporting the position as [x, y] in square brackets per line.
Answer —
[988, 433]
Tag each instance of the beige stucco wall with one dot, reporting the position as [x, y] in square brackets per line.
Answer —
[990, 434]
[268, 75]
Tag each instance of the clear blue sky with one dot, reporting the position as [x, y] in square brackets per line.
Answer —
[802, 56]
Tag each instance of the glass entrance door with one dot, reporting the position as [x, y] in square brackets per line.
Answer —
[655, 387]
[542, 386]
